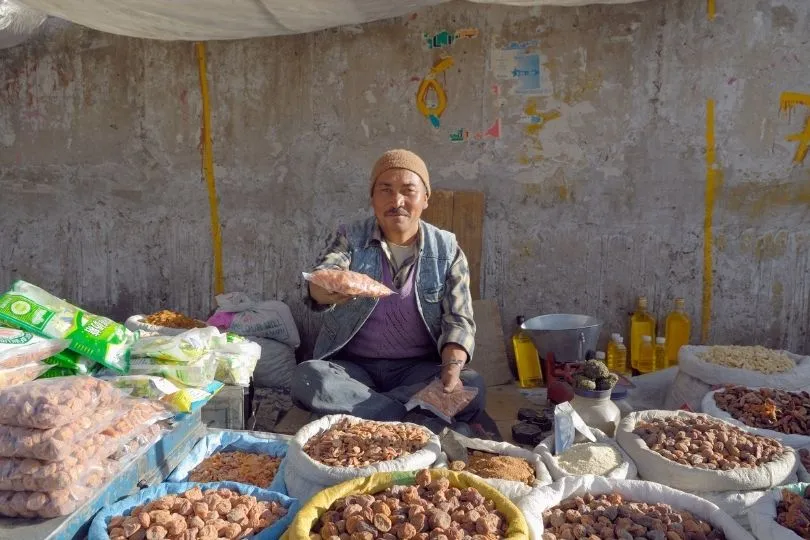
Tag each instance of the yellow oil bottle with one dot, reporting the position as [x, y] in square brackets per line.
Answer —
[646, 355]
[678, 330]
[611, 353]
[526, 358]
[621, 356]
[660, 353]
[641, 324]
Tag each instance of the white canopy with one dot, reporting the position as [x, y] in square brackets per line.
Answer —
[218, 19]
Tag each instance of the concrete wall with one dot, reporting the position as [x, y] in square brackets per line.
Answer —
[595, 188]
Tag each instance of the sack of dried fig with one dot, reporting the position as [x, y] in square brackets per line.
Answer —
[770, 412]
[579, 506]
[699, 453]
[338, 447]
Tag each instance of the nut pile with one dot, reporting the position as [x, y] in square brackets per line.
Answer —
[793, 512]
[766, 408]
[610, 516]
[216, 513]
[429, 510]
[756, 358]
[255, 469]
[701, 442]
[487, 465]
[172, 319]
[360, 444]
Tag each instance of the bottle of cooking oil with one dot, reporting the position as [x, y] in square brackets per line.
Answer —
[660, 354]
[678, 329]
[641, 324]
[526, 357]
[646, 355]
[621, 356]
[611, 353]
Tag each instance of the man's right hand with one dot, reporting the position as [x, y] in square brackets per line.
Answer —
[325, 297]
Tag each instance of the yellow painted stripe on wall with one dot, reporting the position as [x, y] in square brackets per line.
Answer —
[708, 239]
[208, 170]
[711, 9]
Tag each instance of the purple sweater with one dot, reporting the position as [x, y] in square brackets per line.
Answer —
[394, 329]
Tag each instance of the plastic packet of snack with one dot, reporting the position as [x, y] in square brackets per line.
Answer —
[20, 348]
[49, 403]
[443, 404]
[348, 283]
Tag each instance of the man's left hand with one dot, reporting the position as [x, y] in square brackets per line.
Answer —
[453, 358]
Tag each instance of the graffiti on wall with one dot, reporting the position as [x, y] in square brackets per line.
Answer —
[789, 101]
[444, 39]
[431, 98]
[534, 121]
[522, 64]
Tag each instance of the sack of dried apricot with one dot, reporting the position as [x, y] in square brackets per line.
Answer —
[348, 282]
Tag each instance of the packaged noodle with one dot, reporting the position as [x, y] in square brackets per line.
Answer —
[99, 338]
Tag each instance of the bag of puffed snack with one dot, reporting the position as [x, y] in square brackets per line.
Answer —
[443, 404]
[348, 283]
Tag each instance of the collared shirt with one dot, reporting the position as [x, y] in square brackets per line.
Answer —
[458, 324]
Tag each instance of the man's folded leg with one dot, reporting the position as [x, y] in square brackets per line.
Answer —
[341, 387]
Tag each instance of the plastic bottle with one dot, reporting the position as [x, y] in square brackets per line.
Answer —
[611, 353]
[526, 358]
[646, 355]
[621, 356]
[641, 324]
[660, 353]
[678, 330]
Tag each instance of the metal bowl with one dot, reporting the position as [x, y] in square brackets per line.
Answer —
[568, 337]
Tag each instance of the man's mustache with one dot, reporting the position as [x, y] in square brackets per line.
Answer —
[398, 212]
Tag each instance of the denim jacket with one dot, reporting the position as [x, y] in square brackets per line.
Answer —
[442, 286]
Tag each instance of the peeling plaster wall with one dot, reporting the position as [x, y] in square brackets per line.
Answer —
[595, 188]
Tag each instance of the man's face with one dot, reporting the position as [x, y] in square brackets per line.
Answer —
[398, 199]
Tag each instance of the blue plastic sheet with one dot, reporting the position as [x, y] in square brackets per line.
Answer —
[224, 441]
[98, 529]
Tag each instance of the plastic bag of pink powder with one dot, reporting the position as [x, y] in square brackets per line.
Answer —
[221, 319]
[443, 404]
[348, 283]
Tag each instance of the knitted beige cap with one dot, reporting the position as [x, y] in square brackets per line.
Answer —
[400, 159]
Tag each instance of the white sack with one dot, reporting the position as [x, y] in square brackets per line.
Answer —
[305, 477]
[696, 377]
[136, 323]
[762, 516]
[513, 490]
[543, 498]
[650, 389]
[266, 319]
[627, 470]
[213, 19]
[656, 468]
[709, 406]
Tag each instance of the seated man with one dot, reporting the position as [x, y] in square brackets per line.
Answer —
[371, 356]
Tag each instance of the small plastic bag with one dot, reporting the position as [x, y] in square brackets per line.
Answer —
[158, 388]
[236, 359]
[55, 444]
[348, 283]
[39, 504]
[198, 374]
[49, 403]
[186, 348]
[22, 374]
[19, 348]
[443, 404]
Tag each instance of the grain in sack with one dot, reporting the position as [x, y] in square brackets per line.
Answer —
[601, 458]
[337, 448]
[698, 453]
[508, 468]
[702, 368]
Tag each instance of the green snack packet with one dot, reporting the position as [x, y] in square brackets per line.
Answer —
[98, 338]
